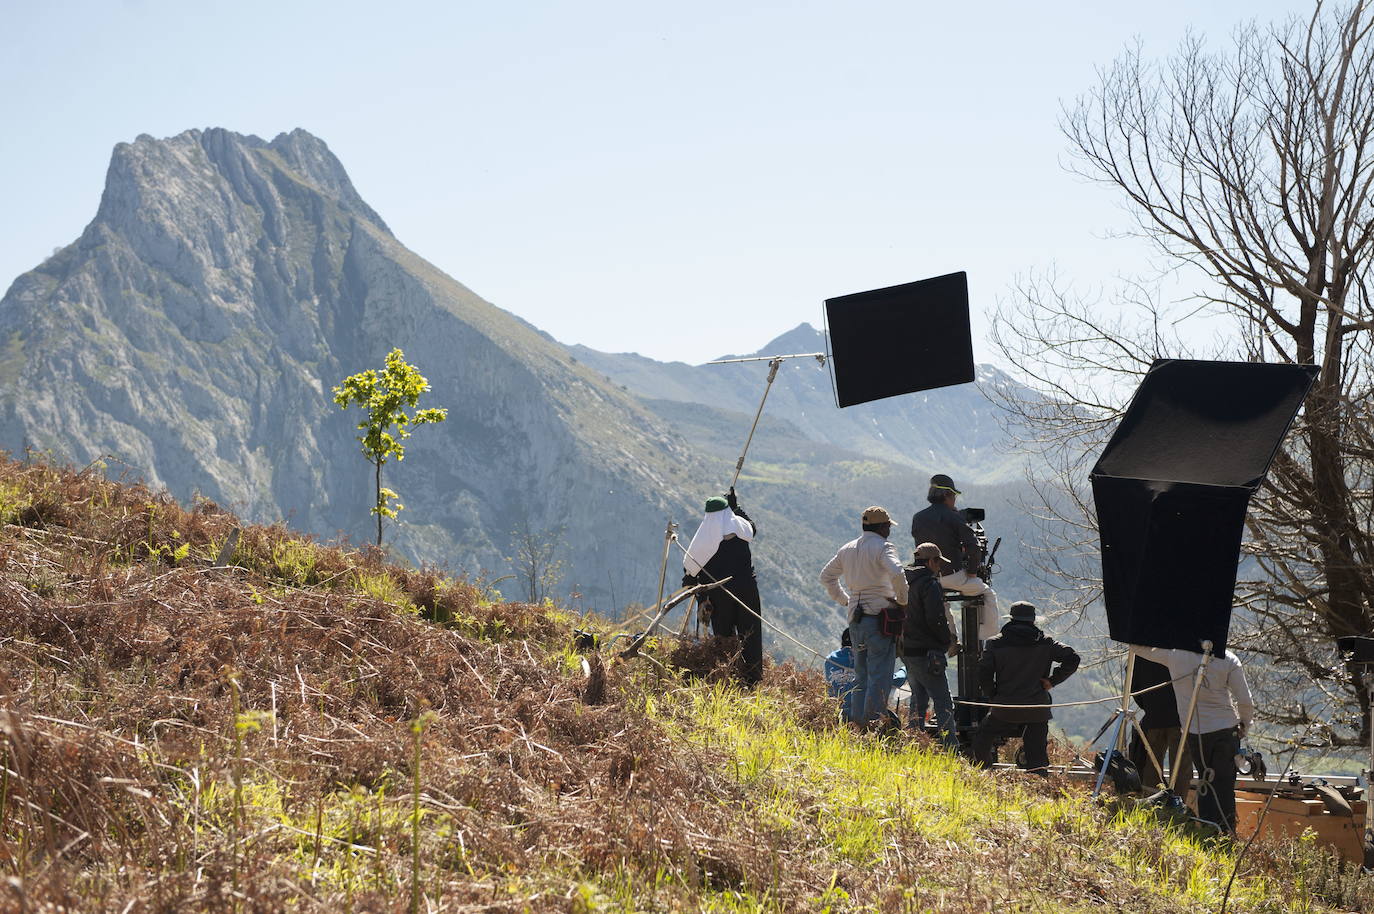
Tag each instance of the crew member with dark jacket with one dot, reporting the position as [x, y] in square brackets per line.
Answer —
[927, 640]
[719, 550]
[1019, 667]
[942, 525]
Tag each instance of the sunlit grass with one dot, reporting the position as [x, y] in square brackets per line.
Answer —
[862, 795]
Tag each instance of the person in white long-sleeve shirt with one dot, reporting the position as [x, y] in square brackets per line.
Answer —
[875, 580]
[1221, 718]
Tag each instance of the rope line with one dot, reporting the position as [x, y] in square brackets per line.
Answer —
[1068, 704]
[974, 704]
[806, 647]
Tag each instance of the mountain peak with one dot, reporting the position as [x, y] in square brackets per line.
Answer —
[150, 179]
[801, 338]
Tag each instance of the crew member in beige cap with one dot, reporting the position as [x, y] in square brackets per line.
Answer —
[875, 582]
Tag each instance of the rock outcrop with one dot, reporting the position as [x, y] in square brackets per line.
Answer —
[194, 331]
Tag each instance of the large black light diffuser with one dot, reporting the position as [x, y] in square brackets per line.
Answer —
[1172, 488]
[901, 339]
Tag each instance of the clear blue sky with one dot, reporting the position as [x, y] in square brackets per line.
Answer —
[680, 180]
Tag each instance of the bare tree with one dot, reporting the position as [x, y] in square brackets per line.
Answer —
[1251, 172]
[536, 559]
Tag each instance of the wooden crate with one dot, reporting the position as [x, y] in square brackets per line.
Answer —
[1291, 817]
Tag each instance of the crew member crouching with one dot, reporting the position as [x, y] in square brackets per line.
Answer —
[1019, 667]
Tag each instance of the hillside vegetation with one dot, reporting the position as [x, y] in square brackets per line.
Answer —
[310, 728]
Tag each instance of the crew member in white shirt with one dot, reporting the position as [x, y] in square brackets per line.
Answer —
[1220, 721]
[874, 580]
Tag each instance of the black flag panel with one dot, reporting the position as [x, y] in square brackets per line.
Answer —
[900, 339]
[1172, 488]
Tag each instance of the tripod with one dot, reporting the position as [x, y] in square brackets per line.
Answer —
[1121, 718]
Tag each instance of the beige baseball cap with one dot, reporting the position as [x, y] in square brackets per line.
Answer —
[876, 515]
[927, 551]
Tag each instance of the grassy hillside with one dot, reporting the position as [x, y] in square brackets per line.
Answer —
[312, 729]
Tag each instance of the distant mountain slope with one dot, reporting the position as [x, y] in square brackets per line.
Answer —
[952, 429]
[195, 329]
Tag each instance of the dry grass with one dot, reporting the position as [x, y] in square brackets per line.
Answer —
[182, 737]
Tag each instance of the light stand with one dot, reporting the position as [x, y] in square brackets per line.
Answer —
[1123, 716]
[1188, 718]
[669, 535]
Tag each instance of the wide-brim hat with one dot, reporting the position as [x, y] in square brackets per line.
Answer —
[943, 483]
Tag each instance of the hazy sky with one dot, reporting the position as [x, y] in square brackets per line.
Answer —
[680, 180]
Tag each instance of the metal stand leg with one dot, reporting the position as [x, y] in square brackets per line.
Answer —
[1192, 706]
[1118, 718]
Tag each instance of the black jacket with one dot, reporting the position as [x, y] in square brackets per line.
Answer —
[926, 627]
[942, 525]
[1013, 664]
[1160, 706]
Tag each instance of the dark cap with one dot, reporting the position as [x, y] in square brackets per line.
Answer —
[927, 551]
[716, 503]
[1022, 611]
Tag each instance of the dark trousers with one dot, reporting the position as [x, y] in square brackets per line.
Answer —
[933, 688]
[1214, 754]
[730, 620]
[1035, 741]
[1163, 741]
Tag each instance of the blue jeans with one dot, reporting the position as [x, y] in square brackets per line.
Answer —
[918, 676]
[875, 657]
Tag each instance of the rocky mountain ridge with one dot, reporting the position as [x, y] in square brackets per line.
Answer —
[195, 328]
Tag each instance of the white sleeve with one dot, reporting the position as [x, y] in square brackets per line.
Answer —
[894, 568]
[830, 578]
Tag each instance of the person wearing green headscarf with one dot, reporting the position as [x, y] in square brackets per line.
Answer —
[720, 549]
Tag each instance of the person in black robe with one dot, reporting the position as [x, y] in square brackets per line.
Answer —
[720, 549]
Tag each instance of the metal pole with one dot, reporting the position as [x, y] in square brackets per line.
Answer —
[1122, 733]
[772, 374]
[1188, 718]
[668, 536]
[1119, 717]
[1126, 697]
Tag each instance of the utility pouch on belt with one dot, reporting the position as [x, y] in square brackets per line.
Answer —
[891, 619]
[936, 661]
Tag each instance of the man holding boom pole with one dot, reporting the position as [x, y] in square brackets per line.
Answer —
[719, 550]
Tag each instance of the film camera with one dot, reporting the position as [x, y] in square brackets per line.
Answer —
[974, 517]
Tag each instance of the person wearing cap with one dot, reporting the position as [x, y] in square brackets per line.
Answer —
[719, 550]
[1019, 667]
[874, 580]
[941, 524]
[926, 641]
[1221, 718]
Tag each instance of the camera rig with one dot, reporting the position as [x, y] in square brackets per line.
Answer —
[966, 717]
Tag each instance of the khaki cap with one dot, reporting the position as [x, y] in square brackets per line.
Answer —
[876, 515]
[927, 551]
